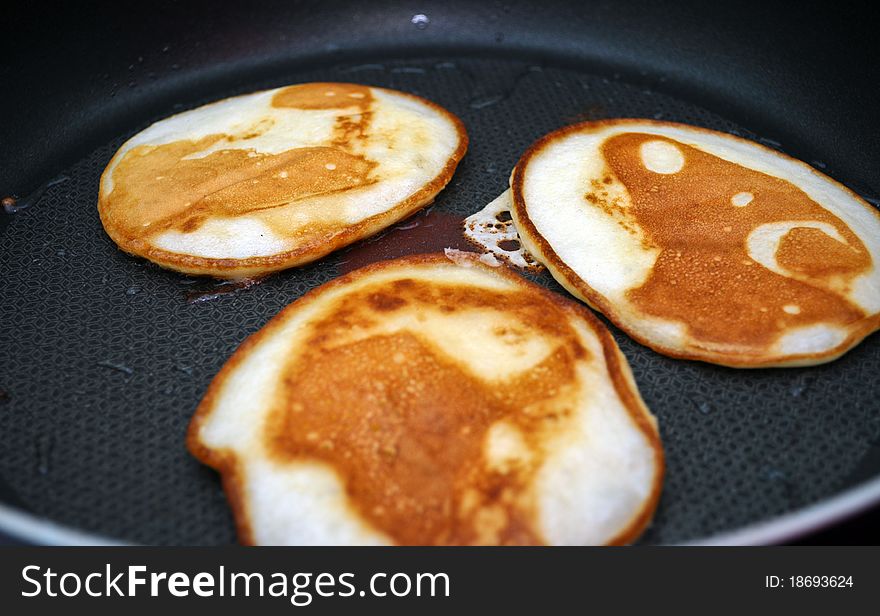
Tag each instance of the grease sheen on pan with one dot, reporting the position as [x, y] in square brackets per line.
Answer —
[702, 245]
[269, 180]
[426, 401]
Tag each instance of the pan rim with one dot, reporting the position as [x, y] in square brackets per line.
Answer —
[35, 530]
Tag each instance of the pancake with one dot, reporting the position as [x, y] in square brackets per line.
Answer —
[266, 181]
[431, 400]
[702, 245]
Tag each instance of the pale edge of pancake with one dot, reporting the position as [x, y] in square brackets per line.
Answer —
[319, 495]
[640, 328]
[235, 268]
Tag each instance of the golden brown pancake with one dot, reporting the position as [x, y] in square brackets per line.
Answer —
[269, 180]
[700, 244]
[431, 400]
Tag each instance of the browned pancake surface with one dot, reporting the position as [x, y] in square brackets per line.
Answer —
[430, 443]
[704, 263]
[404, 424]
[162, 187]
[699, 244]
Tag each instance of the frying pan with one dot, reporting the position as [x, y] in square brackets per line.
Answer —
[103, 357]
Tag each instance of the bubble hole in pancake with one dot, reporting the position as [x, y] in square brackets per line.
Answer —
[431, 400]
[266, 181]
[702, 245]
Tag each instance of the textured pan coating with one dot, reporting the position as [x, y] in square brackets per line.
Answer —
[266, 181]
[702, 245]
[426, 401]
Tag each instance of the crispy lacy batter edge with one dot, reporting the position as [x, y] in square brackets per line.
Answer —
[536, 244]
[255, 266]
[225, 461]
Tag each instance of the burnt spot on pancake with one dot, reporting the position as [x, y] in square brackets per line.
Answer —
[351, 129]
[192, 223]
[613, 205]
[384, 302]
[403, 284]
[429, 451]
[253, 131]
[700, 212]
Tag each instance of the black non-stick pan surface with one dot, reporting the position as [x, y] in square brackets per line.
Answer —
[103, 357]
